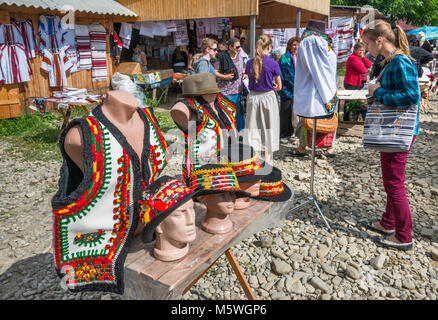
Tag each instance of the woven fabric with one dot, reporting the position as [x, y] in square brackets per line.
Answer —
[83, 46]
[389, 129]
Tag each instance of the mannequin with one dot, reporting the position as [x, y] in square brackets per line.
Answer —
[120, 108]
[252, 188]
[219, 207]
[175, 233]
[181, 114]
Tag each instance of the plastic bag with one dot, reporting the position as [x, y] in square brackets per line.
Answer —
[123, 82]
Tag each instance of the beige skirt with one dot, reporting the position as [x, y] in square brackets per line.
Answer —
[262, 121]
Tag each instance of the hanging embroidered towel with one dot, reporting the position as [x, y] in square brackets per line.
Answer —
[99, 70]
[97, 37]
[56, 64]
[70, 43]
[83, 46]
[125, 34]
[14, 64]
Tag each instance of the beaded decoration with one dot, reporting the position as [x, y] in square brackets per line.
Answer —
[215, 179]
[271, 189]
[164, 198]
[89, 239]
[247, 167]
[207, 130]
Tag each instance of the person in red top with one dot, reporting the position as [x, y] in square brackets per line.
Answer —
[356, 69]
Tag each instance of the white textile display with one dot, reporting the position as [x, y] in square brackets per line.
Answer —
[147, 29]
[125, 34]
[315, 77]
[280, 37]
[341, 31]
[181, 36]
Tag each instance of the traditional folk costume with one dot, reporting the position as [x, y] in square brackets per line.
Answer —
[50, 32]
[20, 32]
[315, 91]
[56, 64]
[14, 64]
[97, 212]
[203, 143]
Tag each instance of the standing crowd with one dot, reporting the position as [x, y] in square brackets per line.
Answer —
[305, 81]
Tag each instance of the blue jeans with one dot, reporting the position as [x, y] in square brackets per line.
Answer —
[240, 117]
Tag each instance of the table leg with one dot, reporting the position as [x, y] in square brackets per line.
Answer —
[154, 93]
[240, 275]
[66, 116]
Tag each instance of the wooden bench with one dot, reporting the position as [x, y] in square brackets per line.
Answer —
[148, 278]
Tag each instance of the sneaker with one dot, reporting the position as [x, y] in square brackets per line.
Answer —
[284, 140]
[384, 242]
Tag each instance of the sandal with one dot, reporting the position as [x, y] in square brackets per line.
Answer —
[294, 152]
[384, 242]
[370, 225]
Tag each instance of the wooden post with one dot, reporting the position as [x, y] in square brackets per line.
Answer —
[253, 35]
[298, 22]
[240, 275]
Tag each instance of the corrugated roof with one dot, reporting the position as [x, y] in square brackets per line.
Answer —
[110, 7]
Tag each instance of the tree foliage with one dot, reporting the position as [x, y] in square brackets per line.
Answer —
[416, 12]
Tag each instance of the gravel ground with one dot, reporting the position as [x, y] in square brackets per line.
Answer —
[299, 259]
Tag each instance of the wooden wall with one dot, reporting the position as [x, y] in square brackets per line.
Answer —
[321, 7]
[38, 86]
[156, 10]
[278, 16]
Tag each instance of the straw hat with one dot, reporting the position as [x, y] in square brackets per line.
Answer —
[199, 84]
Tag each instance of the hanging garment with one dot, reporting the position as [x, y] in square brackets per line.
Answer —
[56, 64]
[83, 46]
[125, 34]
[28, 34]
[97, 37]
[10, 34]
[14, 64]
[147, 29]
[50, 32]
[315, 77]
[70, 43]
[116, 47]
[95, 220]
[99, 71]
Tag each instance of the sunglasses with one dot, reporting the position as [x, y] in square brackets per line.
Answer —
[238, 47]
[214, 49]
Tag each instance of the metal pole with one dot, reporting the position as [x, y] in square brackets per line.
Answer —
[253, 35]
[313, 159]
[298, 22]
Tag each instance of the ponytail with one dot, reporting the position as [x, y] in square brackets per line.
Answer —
[395, 36]
[262, 43]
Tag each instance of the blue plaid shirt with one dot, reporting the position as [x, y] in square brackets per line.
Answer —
[400, 85]
[287, 68]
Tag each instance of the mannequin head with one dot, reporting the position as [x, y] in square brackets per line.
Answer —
[253, 188]
[219, 207]
[174, 234]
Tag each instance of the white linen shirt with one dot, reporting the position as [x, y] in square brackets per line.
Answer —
[315, 77]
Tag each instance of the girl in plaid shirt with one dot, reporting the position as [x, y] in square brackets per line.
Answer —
[397, 86]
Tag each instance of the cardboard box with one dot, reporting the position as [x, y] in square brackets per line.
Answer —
[129, 68]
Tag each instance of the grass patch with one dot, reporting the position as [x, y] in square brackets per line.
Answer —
[35, 135]
[341, 72]
[165, 120]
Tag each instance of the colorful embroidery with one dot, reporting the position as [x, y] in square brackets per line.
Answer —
[247, 167]
[166, 197]
[89, 239]
[271, 189]
[214, 179]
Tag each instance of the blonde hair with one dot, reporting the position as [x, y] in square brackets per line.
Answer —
[396, 37]
[207, 43]
[262, 43]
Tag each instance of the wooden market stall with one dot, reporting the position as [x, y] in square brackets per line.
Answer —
[14, 98]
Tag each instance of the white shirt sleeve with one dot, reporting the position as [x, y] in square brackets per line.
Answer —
[316, 56]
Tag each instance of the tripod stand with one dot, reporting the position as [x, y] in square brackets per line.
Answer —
[311, 199]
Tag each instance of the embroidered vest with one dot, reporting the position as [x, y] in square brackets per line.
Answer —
[96, 213]
[203, 146]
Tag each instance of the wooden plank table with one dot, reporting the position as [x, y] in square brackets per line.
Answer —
[148, 278]
[350, 128]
